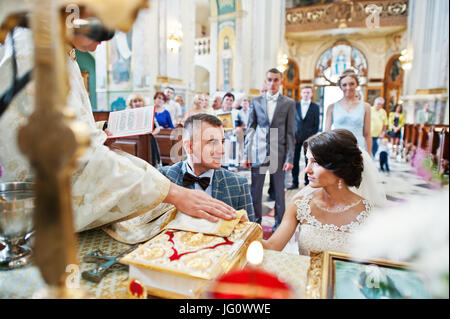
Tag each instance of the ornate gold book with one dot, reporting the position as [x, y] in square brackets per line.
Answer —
[181, 264]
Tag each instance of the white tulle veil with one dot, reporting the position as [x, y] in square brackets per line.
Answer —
[370, 188]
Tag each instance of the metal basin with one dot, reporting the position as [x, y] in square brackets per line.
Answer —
[16, 223]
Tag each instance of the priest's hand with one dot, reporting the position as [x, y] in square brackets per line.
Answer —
[110, 141]
[198, 204]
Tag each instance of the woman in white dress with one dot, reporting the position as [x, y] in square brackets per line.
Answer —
[350, 112]
[327, 211]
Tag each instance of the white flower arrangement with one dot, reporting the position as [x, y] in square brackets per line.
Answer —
[416, 232]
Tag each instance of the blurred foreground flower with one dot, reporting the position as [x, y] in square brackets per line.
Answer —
[416, 232]
[425, 168]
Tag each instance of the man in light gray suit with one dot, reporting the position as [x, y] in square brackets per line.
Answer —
[270, 143]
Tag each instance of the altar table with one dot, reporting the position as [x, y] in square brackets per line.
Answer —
[24, 282]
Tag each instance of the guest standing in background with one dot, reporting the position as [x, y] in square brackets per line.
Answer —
[378, 122]
[180, 100]
[173, 107]
[240, 118]
[396, 122]
[350, 113]
[161, 114]
[205, 104]
[267, 152]
[307, 121]
[425, 116]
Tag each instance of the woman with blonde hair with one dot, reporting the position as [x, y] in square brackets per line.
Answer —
[350, 112]
[135, 100]
[199, 102]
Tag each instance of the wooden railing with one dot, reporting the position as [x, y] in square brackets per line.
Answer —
[347, 14]
[202, 46]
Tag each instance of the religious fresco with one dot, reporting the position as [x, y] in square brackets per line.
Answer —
[119, 69]
[226, 55]
[338, 58]
[226, 6]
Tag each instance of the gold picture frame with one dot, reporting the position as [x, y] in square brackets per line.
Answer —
[335, 275]
[227, 120]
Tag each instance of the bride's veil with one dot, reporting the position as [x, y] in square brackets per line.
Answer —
[371, 188]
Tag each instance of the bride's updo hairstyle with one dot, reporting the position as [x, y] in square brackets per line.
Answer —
[338, 152]
[346, 73]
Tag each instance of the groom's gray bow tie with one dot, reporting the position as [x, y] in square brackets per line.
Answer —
[272, 98]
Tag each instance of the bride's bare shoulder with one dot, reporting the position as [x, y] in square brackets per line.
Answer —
[304, 194]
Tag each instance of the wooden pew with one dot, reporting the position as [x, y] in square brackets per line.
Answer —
[433, 140]
[407, 136]
[443, 157]
[170, 140]
[138, 146]
[422, 141]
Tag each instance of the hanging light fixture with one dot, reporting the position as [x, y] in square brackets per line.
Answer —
[283, 65]
[175, 39]
[406, 60]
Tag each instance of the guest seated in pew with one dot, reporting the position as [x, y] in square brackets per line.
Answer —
[161, 114]
[203, 142]
[329, 209]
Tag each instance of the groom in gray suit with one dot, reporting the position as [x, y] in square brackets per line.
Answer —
[203, 142]
[270, 143]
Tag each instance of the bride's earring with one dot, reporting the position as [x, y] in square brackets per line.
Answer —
[340, 184]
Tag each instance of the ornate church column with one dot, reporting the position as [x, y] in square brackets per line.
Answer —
[187, 50]
[266, 39]
[248, 35]
[428, 47]
[142, 55]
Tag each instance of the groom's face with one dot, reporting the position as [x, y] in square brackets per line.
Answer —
[206, 145]
[273, 82]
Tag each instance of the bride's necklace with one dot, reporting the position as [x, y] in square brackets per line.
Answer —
[336, 210]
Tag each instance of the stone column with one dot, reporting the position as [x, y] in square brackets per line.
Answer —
[429, 47]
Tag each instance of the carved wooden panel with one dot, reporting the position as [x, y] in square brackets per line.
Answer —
[343, 14]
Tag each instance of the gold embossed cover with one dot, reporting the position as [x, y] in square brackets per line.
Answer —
[178, 264]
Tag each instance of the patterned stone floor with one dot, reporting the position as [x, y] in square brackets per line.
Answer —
[401, 184]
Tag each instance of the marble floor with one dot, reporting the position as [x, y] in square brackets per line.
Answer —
[401, 184]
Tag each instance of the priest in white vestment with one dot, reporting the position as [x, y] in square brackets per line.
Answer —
[107, 186]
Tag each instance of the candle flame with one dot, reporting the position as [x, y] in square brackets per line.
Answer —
[255, 253]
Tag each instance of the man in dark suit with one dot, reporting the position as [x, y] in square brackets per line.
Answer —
[307, 118]
[269, 143]
[203, 141]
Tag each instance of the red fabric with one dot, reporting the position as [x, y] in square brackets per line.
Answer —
[251, 277]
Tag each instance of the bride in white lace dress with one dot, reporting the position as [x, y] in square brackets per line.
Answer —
[327, 211]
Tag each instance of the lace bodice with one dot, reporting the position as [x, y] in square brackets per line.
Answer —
[315, 235]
